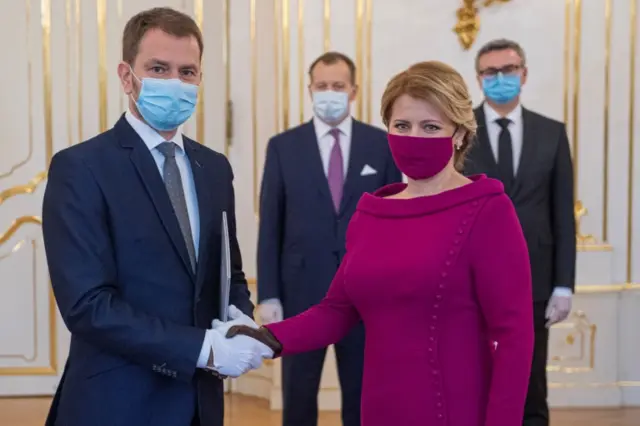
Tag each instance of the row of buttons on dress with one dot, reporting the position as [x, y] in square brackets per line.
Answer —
[440, 411]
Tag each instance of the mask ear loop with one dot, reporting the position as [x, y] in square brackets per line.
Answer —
[139, 82]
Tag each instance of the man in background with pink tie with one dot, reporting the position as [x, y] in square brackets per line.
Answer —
[314, 175]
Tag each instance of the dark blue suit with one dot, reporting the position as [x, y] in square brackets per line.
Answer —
[124, 285]
[300, 245]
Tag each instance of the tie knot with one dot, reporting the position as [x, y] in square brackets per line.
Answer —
[168, 149]
[503, 122]
[335, 133]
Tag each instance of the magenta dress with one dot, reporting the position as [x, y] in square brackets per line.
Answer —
[436, 281]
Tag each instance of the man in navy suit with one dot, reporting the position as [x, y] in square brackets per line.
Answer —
[132, 229]
[314, 175]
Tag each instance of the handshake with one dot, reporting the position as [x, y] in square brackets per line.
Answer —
[238, 346]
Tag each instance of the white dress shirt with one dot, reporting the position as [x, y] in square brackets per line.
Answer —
[152, 139]
[516, 129]
[326, 141]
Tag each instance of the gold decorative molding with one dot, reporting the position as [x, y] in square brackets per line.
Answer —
[23, 189]
[17, 224]
[468, 24]
[580, 211]
[580, 333]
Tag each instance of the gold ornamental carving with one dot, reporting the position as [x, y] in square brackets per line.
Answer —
[468, 24]
[580, 211]
[28, 188]
[576, 340]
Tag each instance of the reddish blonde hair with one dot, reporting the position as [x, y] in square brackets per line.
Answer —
[441, 86]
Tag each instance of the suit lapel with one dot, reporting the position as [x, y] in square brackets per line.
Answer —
[149, 175]
[485, 153]
[529, 150]
[312, 159]
[357, 160]
[203, 184]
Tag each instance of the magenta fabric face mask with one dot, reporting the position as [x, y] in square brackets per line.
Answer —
[420, 158]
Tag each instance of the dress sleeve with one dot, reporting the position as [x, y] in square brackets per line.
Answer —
[502, 277]
[325, 323]
[321, 325]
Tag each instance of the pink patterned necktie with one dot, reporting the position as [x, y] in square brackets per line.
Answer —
[336, 170]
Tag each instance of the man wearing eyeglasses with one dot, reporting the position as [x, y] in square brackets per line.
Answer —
[530, 154]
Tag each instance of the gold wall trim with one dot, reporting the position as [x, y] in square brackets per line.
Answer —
[28, 188]
[226, 52]
[120, 12]
[277, 19]
[575, 385]
[79, 69]
[286, 63]
[301, 59]
[632, 116]
[577, 47]
[68, 18]
[567, 60]
[24, 161]
[608, 18]
[16, 225]
[607, 288]
[101, 16]
[34, 300]
[198, 11]
[254, 101]
[584, 247]
[359, 55]
[45, 13]
[369, 59]
[582, 332]
[327, 25]
[52, 368]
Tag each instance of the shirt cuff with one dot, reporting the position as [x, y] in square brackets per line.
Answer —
[562, 292]
[205, 352]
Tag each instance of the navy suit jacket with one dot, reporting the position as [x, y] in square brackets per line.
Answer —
[301, 238]
[124, 285]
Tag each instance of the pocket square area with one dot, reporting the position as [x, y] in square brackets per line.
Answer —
[368, 170]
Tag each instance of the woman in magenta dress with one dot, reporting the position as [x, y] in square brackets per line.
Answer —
[438, 271]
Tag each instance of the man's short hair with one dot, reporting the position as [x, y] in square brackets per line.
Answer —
[165, 19]
[497, 45]
[331, 58]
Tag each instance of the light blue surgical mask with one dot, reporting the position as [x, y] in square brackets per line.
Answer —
[330, 106]
[501, 89]
[165, 104]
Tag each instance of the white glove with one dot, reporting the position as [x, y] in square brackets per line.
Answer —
[270, 311]
[230, 361]
[558, 309]
[242, 344]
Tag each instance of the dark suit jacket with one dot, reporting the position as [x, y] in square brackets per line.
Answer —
[542, 195]
[301, 239]
[124, 285]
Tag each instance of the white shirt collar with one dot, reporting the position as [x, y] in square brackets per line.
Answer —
[491, 115]
[149, 136]
[322, 128]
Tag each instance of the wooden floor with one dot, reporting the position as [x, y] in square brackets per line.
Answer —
[246, 411]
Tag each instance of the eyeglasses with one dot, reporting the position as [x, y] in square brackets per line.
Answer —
[505, 70]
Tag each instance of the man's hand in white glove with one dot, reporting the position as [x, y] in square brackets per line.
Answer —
[559, 307]
[243, 344]
[270, 311]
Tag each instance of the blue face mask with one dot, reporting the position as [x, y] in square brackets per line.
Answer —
[501, 89]
[166, 104]
[330, 106]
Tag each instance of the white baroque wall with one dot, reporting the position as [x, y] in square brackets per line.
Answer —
[63, 88]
